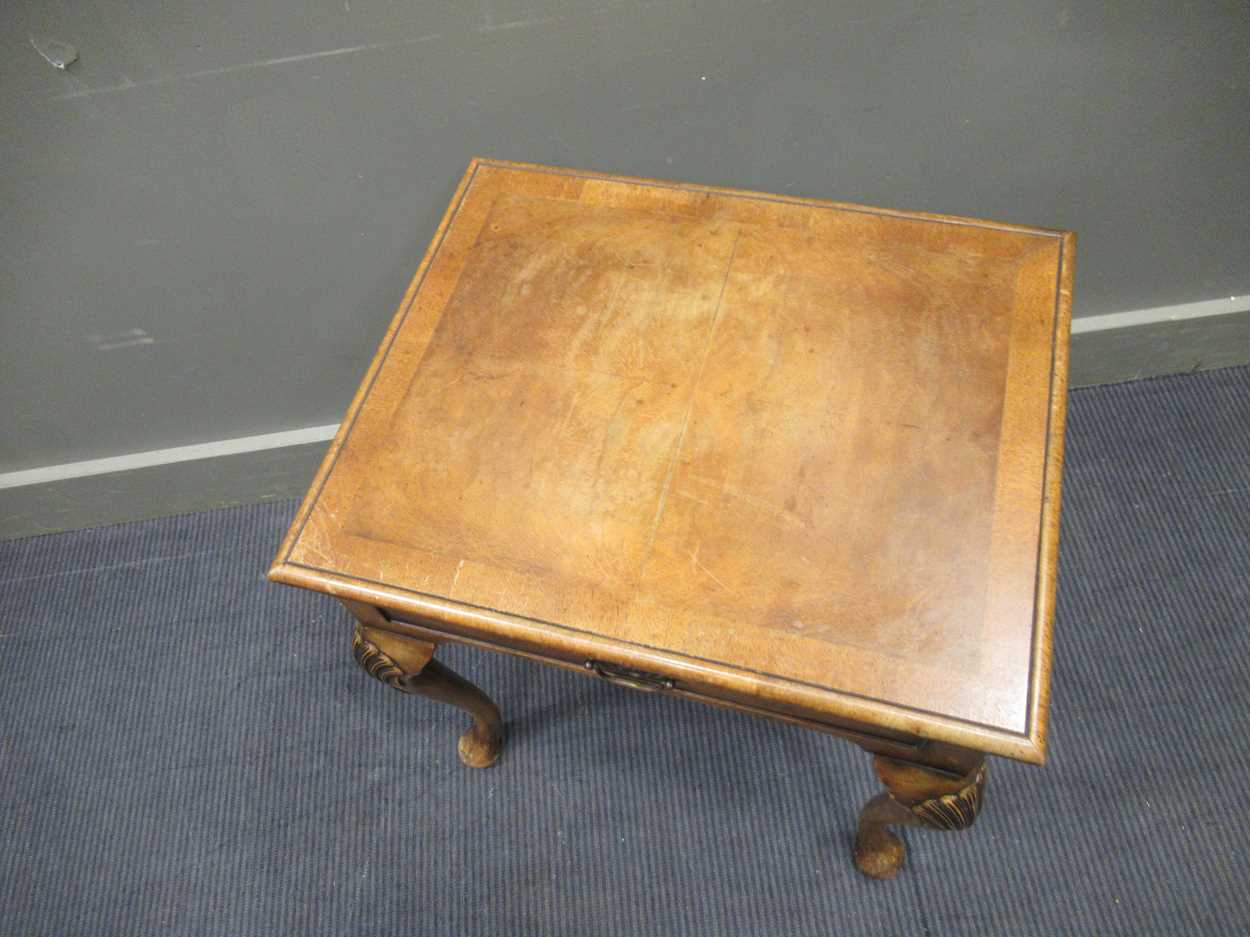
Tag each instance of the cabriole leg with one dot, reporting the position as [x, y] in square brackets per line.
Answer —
[915, 795]
[408, 664]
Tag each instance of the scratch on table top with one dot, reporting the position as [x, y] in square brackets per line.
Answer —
[310, 548]
[685, 425]
[568, 415]
[753, 501]
[695, 563]
[453, 382]
[689, 497]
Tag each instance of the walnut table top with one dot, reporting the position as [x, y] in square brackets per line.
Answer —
[800, 456]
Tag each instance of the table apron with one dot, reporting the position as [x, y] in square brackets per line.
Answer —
[871, 738]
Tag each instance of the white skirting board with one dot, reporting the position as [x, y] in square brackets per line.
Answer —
[153, 457]
[1180, 313]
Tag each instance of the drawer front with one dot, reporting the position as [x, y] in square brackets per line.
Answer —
[627, 675]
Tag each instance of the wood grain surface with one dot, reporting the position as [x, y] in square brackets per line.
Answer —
[799, 453]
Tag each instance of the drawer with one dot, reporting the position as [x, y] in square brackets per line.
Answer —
[629, 674]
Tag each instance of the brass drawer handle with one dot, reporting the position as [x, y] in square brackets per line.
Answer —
[627, 676]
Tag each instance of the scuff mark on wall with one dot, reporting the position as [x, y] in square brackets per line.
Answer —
[126, 339]
[58, 54]
[127, 84]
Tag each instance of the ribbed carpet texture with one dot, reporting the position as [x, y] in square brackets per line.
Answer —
[188, 749]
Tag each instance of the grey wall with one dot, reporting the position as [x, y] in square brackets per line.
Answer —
[209, 218]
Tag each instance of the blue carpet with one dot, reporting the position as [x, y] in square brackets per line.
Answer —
[187, 749]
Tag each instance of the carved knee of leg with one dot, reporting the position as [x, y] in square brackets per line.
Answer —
[389, 658]
[914, 796]
[939, 801]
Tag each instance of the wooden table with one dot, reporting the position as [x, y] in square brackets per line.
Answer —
[792, 457]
